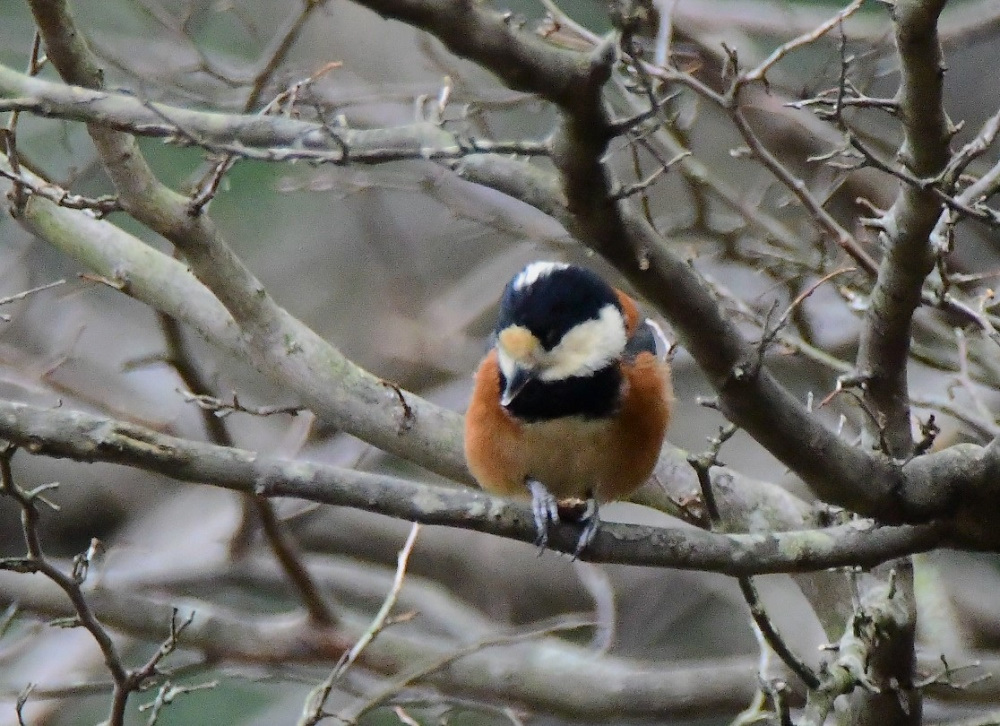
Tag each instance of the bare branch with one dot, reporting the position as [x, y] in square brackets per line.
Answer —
[975, 148]
[885, 339]
[283, 546]
[100, 206]
[26, 293]
[221, 409]
[282, 44]
[313, 712]
[583, 685]
[423, 670]
[346, 395]
[166, 695]
[251, 136]
[37, 562]
[81, 436]
[125, 681]
[702, 465]
[495, 40]
[760, 72]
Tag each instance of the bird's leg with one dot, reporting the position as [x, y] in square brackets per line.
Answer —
[545, 509]
[590, 523]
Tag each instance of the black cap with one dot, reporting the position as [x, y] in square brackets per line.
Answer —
[550, 298]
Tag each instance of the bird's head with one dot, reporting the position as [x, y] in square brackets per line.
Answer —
[557, 321]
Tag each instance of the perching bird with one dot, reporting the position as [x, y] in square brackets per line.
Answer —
[572, 401]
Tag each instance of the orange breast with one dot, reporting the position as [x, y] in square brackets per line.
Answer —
[571, 456]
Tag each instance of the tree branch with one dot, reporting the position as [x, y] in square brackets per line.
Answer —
[497, 41]
[273, 138]
[909, 258]
[551, 675]
[283, 545]
[274, 340]
[341, 392]
[84, 437]
[348, 397]
[167, 285]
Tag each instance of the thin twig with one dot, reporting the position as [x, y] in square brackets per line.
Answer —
[964, 379]
[976, 147]
[313, 711]
[760, 72]
[822, 218]
[100, 206]
[801, 297]
[22, 699]
[792, 342]
[351, 715]
[166, 695]
[37, 562]
[25, 293]
[932, 185]
[221, 409]
[281, 50]
[769, 331]
[772, 636]
[381, 617]
[648, 181]
[282, 545]
[702, 464]
[18, 197]
[208, 187]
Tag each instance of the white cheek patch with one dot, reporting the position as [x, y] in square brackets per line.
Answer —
[588, 347]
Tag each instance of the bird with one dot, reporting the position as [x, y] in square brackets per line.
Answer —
[571, 403]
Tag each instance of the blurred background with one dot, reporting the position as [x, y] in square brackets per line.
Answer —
[400, 266]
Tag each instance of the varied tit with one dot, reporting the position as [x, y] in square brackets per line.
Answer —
[572, 401]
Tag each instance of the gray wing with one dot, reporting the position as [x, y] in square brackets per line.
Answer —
[642, 341]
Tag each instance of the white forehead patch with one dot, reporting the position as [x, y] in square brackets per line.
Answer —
[587, 348]
[530, 274]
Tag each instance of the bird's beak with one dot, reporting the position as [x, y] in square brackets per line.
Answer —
[516, 383]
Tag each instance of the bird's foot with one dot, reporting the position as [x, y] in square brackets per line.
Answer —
[545, 509]
[590, 523]
[548, 510]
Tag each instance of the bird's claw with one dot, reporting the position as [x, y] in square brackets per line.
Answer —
[545, 509]
[590, 523]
